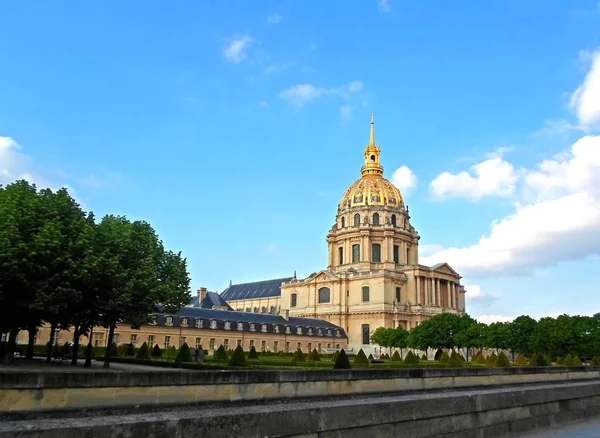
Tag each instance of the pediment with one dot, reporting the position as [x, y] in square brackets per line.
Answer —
[445, 268]
[321, 277]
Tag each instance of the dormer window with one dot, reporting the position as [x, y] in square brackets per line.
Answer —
[213, 324]
[240, 326]
[169, 321]
[328, 332]
[310, 331]
[275, 328]
[263, 328]
[184, 322]
[152, 320]
[198, 323]
[337, 333]
[252, 327]
[299, 330]
[227, 325]
[288, 329]
[319, 332]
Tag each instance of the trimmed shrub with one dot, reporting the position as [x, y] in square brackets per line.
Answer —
[238, 358]
[114, 350]
[281, 353]
[502, 361]
[475, 356]
[341, 361]
[66, 349]
[371, 356]
[361, 359]
[461, 357]
[560, 361]
[143, 352]
[576, 362]
[481, 359]
[438, 353]
[491, 361]
[335, 356]
[229, 353]
[385, 356]
[220, 355]
[128, 350]
[595, 361]
[443, 357]
[396, 357]
[184, 355]
[156, 351]
[253, 354]
[314, 355]
[521, 360]
[539, 360]
[423, 356]
[454, 361]
[569, 360]
[411, 359]
[170, 352]
[298, 356]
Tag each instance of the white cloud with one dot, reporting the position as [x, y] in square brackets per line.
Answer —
[585, 100]
[277, 67]
[300, 94]
[236, 50]
[492, 177]
[553, 128]
[346, 111]
[488, 319]
[404, 179]
[561, 223]
[384, 5]
[274, 19]
[15, 165]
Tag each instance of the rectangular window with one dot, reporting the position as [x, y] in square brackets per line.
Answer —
[309, 347]
[98, 340]
[328, 345]
[211, 344]
[275, 346]
[182, 340]
[251, 343]
[299, 346]
[396, 254]
[376, 253]
[365, 294]
[341, 255]
[263, 346]
[366, 334]
[355, 253]
[319, 347]
[287, 347]
[133, 339]
[398, 294]
[167, 341]
[226, 344]
[293, 300]
[239, 343]
[408, 256]
[337, 346]
[198, 343]
[115, 338]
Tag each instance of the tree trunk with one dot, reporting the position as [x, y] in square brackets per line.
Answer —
[32, 330]
[75, 345]
[89, 351]
[10, 346]
[111, 332]
[51, 343]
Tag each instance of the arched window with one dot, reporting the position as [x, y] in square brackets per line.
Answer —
[372, 158]
[376, 253]
[263, 310]
[357, 220]
[394, 220]
[324, 295]
[355, 253]
[343, 222]
[293, 300]
[272, 311]
[376, 219]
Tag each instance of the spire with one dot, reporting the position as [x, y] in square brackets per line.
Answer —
[372, 142]
[294, 274]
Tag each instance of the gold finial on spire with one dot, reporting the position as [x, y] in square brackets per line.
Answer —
[372, 129]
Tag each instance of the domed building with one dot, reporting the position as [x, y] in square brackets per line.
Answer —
[373, 278]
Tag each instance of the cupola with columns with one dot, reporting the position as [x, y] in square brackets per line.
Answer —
[372, 228]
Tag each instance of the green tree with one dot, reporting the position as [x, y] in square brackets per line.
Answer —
[520, 331]
[400, 338]
[136, 274]
[383, 337]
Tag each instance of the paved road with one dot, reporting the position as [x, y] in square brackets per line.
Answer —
[587, 429]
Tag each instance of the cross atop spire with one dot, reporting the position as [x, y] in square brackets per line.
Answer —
[372, 129]
[372, 166]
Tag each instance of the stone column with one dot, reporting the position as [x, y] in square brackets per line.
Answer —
[418, 289]
[448, 287]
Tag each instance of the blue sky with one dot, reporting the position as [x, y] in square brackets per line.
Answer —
[235, 128]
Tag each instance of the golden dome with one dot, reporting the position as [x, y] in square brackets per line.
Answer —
[372, 188]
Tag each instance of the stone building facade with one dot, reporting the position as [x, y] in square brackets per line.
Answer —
[373, 278]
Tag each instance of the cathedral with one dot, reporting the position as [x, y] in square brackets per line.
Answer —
[373, 277]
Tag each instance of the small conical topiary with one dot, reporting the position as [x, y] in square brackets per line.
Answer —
[220, 355]
[238, 358]
[411, 359]
[156, 351]
[521, 360]
[502, 361]
[253, 354]
[129, 350]
[335, 356]
[314, 355]
[143, 352]
[370, 356]
[560, 361]
[184, 355]
[444, 357]
[113, 350]
[437, 354]
[282, 353]
[595, 361]
[298, 356]
[576, 361]
[341, 361]
[423, 357]
[361, 359]
[569, 360]
[491, 361]
[481, 360]
[461, 357]
[454, 361]
[396, 357]
[539, 360]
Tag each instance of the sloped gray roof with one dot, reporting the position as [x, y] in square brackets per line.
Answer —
[257, 289]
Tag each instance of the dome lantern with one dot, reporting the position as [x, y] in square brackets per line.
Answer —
[372, 152]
